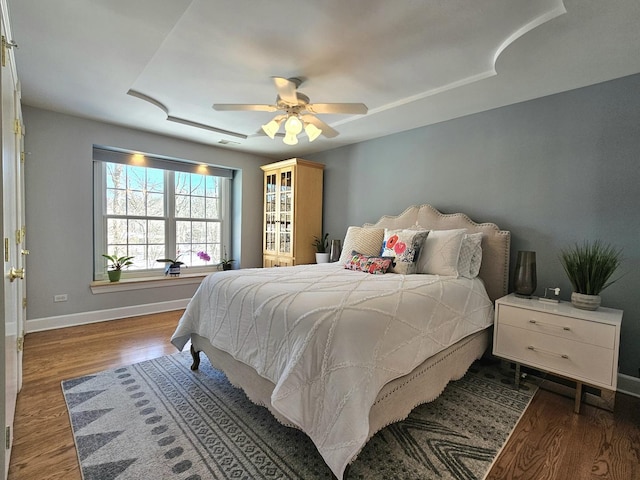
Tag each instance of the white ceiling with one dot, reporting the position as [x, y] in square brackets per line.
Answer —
[412, 62]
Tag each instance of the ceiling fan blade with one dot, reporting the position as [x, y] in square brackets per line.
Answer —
[356, 108]
[222, 107]
[327, 131]
[286, 89]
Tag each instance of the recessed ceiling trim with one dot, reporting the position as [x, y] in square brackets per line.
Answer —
[550, 15]
[182, 121]
[190, 123]
[428, 93]
[149, 99]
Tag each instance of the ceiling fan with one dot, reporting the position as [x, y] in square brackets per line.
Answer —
[297, 112]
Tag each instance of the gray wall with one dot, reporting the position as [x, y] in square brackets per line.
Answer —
[553, 171]
[59, 209]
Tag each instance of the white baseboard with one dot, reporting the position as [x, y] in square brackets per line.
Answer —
[84, 318]
[629, 385]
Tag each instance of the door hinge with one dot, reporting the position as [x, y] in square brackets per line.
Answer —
[4, 51]
[21, 157]
[7, 437]
[17, 127]
[18, 236]
[20, 344]
[24, 302]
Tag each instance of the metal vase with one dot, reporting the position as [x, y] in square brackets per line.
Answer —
[336, 249]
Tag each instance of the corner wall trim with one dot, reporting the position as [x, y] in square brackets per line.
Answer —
[84, 318]
[629, 385]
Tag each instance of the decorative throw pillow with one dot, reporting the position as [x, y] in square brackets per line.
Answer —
[468, 250]
[439, 255]
[365, 263]
[476, 262]
[404, 246]
[364, 240]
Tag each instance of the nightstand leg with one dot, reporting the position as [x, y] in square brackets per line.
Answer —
[517, 379]
[576, 406]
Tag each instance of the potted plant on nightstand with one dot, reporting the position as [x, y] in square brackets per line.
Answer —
[589, 268]
[116, 265]
[321, 243]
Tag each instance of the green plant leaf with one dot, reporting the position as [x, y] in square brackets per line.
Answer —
[590, 266]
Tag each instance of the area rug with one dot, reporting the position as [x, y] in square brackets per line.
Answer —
[159, 420]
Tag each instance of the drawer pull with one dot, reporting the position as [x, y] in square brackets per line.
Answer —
[535, 322]
[561, 355]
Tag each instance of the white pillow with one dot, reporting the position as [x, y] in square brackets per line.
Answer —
[470, 255]
[404, 247]
[367, 241]
[439, 254]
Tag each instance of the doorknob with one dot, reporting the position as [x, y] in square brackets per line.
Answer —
[16, 273]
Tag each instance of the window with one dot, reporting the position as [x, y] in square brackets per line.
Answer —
[152, 209]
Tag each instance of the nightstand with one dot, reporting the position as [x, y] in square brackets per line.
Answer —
[558, 338]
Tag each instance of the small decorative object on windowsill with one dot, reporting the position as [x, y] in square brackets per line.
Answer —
[524, 277]
[589, 268]
[173, 266]
[322, 244]
[336, 250]
[225, 263]
[116, 266]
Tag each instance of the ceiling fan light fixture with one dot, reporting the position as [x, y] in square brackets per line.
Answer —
[290, 139]
[312, 131]
[271, 128]
[293, 125]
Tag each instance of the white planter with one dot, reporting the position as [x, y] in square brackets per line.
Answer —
[322, 258]
[585, 302]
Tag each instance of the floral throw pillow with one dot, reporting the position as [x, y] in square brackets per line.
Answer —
[404, 246]
[365, 263]
[470, 255]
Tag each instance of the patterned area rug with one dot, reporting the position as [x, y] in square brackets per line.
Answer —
[159, 420]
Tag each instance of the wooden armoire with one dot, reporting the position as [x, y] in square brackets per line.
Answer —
[292, 212]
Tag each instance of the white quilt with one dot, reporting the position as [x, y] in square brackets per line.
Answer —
[330, 338]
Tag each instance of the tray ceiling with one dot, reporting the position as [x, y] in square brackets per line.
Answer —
[160, 65]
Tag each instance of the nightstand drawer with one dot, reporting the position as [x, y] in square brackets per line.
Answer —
[590, 363]
[574, 329]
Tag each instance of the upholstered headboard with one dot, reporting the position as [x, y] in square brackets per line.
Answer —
[496, 243]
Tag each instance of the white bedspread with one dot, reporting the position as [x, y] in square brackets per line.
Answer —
[330, 338]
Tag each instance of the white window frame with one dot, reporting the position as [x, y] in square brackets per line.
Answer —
[100, 217]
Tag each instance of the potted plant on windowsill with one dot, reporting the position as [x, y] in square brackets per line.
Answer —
[225, 263]
[173, 266]
[116, 265]
[589, 268]
[322, 244]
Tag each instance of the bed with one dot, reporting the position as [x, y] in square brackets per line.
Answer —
[341, 354]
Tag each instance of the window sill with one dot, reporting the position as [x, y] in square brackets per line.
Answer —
[128, 284]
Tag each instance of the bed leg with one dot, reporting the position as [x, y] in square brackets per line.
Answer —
[196, 358]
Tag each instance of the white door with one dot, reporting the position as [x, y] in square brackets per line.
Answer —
[12, 238]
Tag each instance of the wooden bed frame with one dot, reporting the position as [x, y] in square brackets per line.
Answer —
[425, 383]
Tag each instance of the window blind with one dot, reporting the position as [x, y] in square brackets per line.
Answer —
[108, 154]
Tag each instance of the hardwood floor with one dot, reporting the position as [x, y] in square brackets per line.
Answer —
[550, 442]
[43, 445]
